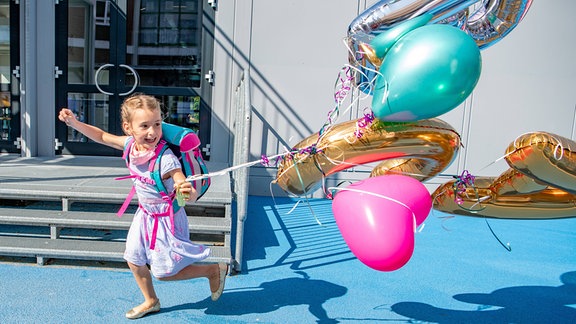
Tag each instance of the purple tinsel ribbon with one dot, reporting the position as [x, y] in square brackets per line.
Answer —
[364, 122]
[312, 149]
[462, 182]
[341, 93]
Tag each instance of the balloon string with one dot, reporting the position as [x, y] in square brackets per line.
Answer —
[379, 196]
[361, 125]
[291, 155]
[230, 169]
[305, 197]
[557, 156]
[444, 218]
[517, 146]
[313, 149]
[460, 186]
[344, 85]
[293, 207]
[298, 202]
[350, 50]
[342, 88]
[506, 246]
[296, 205]
[497, 160]
[330, 193]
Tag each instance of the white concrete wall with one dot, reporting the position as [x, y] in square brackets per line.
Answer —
[527, 84]
[294, 51]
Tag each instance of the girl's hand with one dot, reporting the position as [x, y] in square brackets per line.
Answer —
[66, 115]
[184, 189]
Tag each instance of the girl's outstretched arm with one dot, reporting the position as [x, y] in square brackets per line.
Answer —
[92, 132]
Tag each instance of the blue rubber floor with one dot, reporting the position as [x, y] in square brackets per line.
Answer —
[297, 271]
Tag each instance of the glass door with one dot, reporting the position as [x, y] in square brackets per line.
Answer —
[9, 77]
[112, 49]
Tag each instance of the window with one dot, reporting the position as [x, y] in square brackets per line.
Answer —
[170, 23]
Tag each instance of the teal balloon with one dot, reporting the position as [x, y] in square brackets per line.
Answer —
[428, 72]
[385, 40]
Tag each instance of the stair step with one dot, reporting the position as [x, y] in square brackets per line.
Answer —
[99, 220]
[48, 192]
[81, 249]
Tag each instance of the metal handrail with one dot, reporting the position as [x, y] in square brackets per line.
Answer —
[240, 176]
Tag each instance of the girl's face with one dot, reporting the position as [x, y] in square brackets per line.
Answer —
[145, 127]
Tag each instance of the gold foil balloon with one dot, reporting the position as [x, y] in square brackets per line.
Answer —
[546, 157]
[424, 148]
[369, 54]
[540, 184]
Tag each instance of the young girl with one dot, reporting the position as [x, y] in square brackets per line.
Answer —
[173, 256]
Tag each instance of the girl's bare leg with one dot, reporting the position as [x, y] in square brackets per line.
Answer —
[210, 271]
[144, 281]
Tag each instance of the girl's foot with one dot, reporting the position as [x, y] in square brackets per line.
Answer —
[217, 282]
[143, 309]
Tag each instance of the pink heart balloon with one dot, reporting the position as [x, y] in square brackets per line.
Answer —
[377, 218]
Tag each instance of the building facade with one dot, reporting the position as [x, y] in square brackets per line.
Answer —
[89, 55]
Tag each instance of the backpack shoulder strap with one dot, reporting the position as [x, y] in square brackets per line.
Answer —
[154, 167]
[127, 148]
[126, 156]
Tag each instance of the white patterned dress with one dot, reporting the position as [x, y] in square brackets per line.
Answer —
[172, 248]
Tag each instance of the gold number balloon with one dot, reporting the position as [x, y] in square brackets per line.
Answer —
[540, 184]
[546, 157]
[421, 149]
